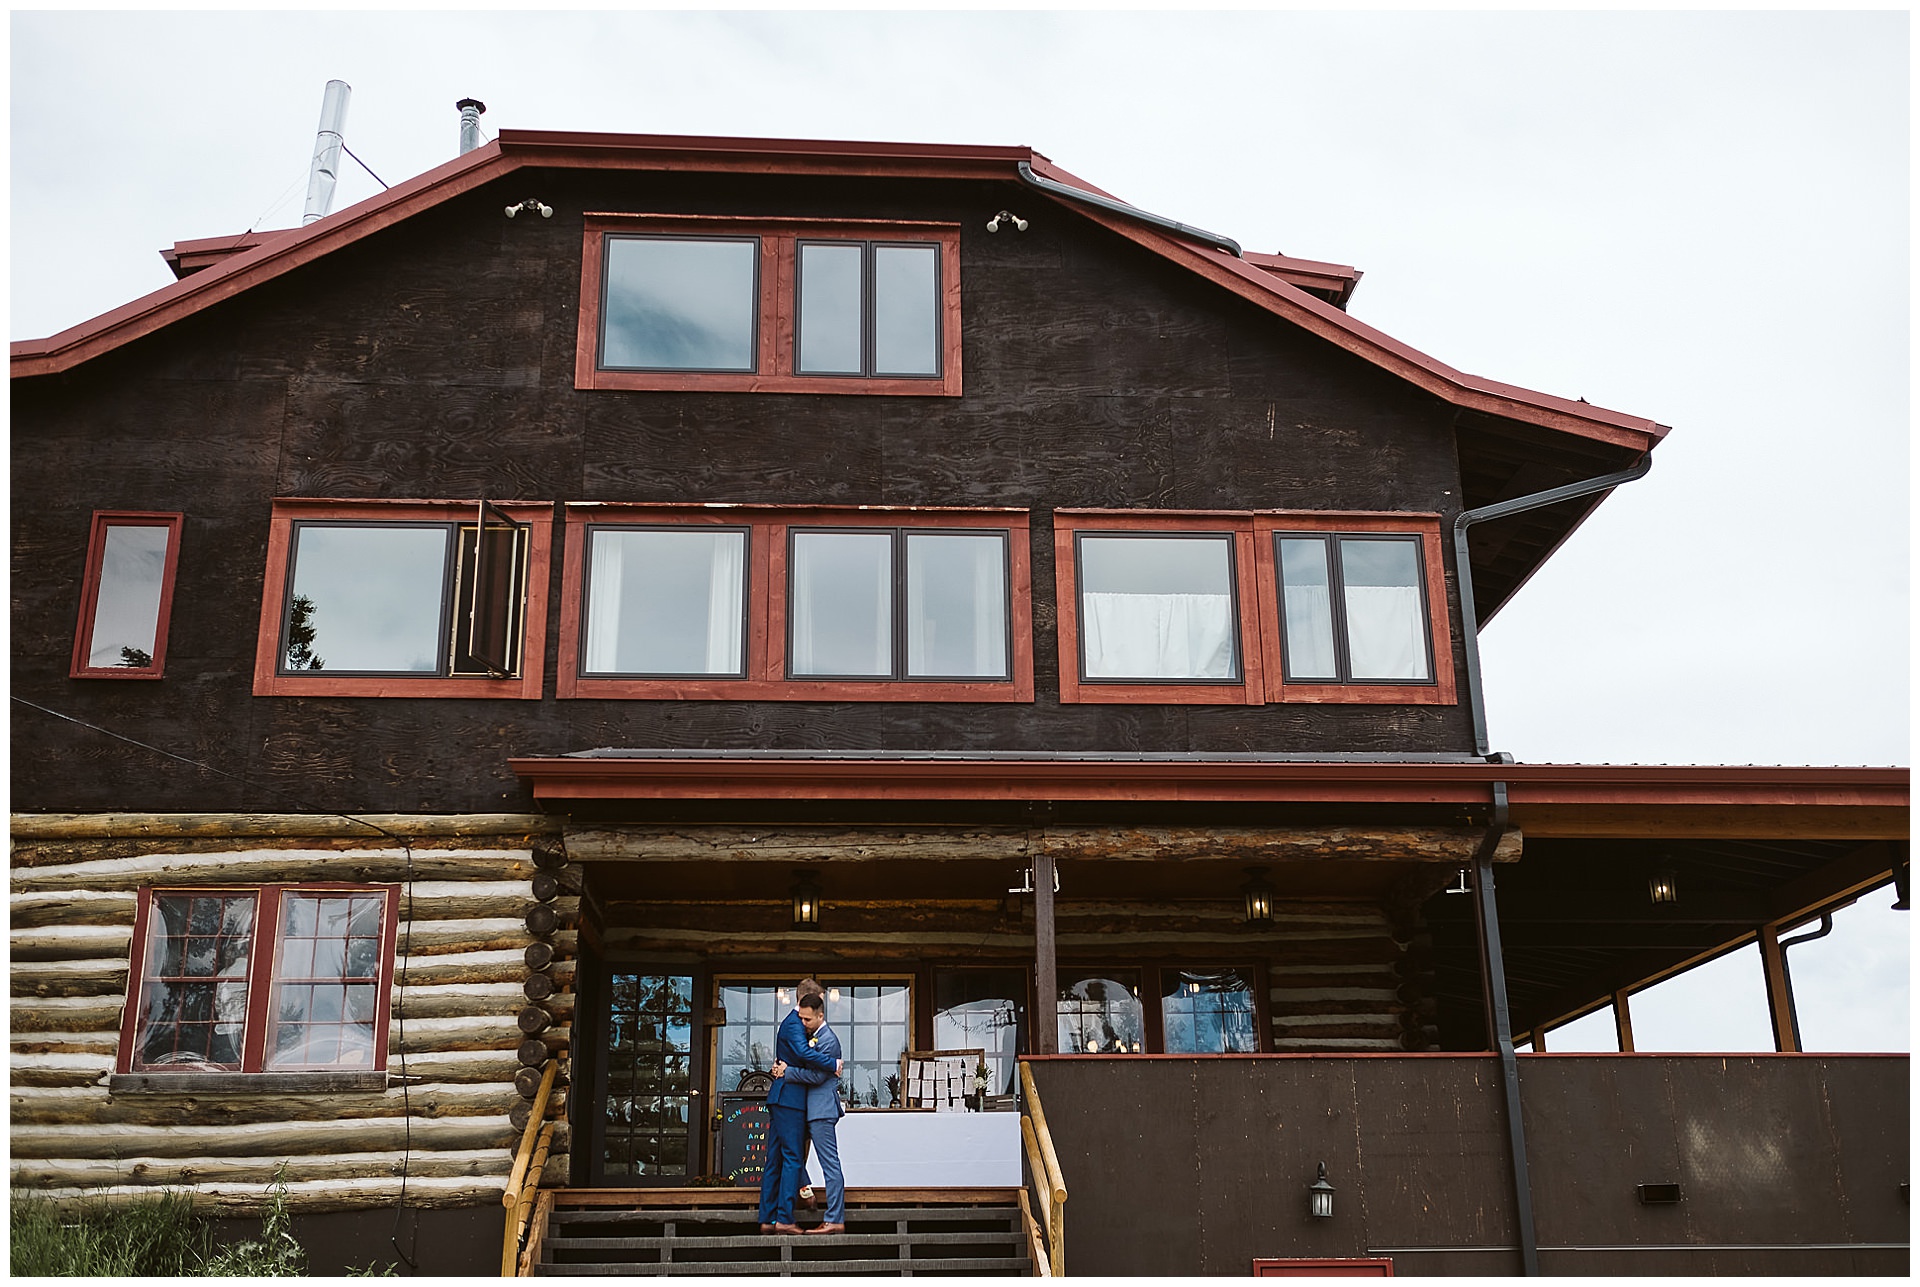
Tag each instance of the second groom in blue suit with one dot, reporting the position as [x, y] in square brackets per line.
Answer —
[824, 1109]
[787, 1106]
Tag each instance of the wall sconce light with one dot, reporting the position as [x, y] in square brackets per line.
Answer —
[1663, 886]
[1006, 216]
[806, 901]
[1320, 1196]
[1259, 897]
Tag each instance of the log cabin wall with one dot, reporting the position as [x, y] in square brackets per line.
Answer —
[458, 1048]
[435, 360]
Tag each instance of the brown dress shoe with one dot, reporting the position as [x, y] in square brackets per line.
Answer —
[786, 1228]
[766, 1228]
[828, 1228]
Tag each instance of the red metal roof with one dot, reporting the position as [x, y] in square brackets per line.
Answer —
[1252, 279]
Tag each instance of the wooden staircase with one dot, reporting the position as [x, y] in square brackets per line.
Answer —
[890, 1233]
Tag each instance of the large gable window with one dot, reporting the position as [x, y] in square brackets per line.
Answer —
[1158, 606]
[126, 596]
[678, 302]
[774, 603]
[376, 599]
[275, 978]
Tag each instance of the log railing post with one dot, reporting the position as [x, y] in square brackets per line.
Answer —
[1045, 1164]
[523, 1161]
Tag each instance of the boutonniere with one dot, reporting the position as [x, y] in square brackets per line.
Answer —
[813, 1041]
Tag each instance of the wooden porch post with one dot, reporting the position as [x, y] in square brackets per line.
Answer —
[1773, 967]
[1623, 1022]
[1046, 973]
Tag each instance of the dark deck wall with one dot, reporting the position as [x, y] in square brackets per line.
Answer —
[436, 360]
[1788, 1164]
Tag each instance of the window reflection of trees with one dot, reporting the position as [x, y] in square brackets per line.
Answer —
[1101, 1015]
[1208, 1012]
[874, 1021]
[649, 1074]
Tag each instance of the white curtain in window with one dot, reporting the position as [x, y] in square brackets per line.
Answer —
[1157, 636]
[1386, 638]
[724, 599]
[1309, 632]
[814, 650]
[606, 585]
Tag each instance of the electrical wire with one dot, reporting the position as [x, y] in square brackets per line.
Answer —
[363, 165]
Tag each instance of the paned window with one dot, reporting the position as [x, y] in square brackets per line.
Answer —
[126, 596]
[1354, 609]
[1099, 1013]
[1208, 1012]
[777, 305]
[762, 603]
[277, 978]
[1248, 608]
[404, 598]
[872, 1017]
[983, 1010]
[648, 1108]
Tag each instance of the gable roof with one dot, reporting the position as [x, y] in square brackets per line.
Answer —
[1279, 285]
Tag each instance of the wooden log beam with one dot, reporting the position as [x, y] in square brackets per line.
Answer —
[48, 1106]
[465, 869]
[65, 1014]
[97, 826]
[466, 934]
[180, 1173]
[68, 978]
[457, 1001]
[72, 907]
[1454, 845]
[502, 965]
[243, 1200]
[423, 1038]
[69, 942]
[290, 1139]
[64, 1043]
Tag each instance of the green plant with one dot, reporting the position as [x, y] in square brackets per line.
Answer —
[276, 1254]
[156, 1237]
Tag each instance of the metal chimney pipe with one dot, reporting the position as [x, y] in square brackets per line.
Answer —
[326, 151]
[470, 109]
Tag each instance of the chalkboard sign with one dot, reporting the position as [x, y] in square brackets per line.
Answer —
[745, 1132]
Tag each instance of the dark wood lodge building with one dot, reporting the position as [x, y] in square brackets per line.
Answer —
[474, 652]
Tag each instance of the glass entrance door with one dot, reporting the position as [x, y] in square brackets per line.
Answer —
[648, 1114]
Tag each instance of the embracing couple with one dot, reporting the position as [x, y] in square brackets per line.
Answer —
[804, 1100]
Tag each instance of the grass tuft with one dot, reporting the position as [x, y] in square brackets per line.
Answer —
[152, 1238]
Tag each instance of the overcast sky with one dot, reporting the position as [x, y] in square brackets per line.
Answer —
[1697, 218]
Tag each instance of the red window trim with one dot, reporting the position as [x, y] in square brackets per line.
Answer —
[90, 594]
[260, 972]
[268, 682]
[766, 631]
[1258, 607]
[778, 266]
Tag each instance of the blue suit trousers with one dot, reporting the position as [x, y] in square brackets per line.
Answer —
[783, 1173]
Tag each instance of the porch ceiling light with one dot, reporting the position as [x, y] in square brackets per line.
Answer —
[806, 901]
[1320, 1196]
[1663, 886]
[1259, 897]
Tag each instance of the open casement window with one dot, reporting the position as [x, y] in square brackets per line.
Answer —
[127, 596]
[404, 598]
[787, 604]
[680, 302]
[261, 979]
[1244, 608]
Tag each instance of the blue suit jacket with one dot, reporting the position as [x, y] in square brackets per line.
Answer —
[812, 1063]
[823, 1088]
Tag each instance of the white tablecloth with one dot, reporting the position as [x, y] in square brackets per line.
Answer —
[927, 1150]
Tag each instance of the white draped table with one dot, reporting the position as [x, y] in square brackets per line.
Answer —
[920, 1150]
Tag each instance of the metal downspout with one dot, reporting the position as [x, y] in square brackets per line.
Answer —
[1786, 975]
[1081, 195]
[1469, 619]
[1493, 979]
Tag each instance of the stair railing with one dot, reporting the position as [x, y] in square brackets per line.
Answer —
[1049, 1185]
[523, 1184]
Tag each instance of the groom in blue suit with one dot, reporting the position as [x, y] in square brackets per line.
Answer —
[823, 1110]
[798, 1058]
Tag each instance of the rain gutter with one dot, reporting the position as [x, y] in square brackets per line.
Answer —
[1081, 195]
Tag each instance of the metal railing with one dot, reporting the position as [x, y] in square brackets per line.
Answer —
[523, 1184]
[1048, 1236]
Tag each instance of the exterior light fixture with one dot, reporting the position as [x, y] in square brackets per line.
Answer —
[1320, 1197]
[806, 901]
[833, 994]
[1459, 885]
[1093, 1046]
[1663, 886]
[1259, 897]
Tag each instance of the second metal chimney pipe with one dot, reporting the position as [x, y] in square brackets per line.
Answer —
[470, 109]
[326, 151]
